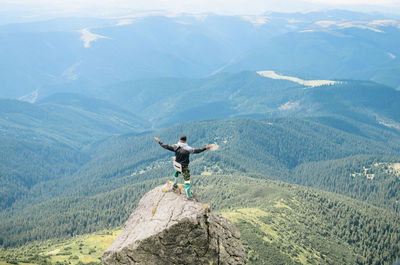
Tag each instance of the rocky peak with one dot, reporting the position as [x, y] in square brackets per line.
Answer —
[166, 228]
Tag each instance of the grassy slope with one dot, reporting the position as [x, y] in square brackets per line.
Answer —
[80, 249]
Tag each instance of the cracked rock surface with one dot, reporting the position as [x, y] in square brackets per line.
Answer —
[167, 229]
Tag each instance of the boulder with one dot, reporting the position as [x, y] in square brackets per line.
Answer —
[167, 228]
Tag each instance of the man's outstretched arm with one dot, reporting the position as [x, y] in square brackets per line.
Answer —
[168, 147]
[199, 150]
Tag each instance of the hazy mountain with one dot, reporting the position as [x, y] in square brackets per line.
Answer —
[356, 51]
[66, 119]
[82, 54]
[71, 55]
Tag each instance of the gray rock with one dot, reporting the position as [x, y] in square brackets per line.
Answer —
[167, 229]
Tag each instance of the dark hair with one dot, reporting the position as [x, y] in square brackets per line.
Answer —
[183, 138]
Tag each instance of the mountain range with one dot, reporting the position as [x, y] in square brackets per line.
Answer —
[70, 55]
[303, 111]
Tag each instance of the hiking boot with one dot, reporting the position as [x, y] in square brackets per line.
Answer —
[190, 199]
[175, 186]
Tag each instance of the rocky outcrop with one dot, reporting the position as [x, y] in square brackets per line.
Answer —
[166, 228]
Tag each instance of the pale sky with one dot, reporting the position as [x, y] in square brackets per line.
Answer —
[56, 8]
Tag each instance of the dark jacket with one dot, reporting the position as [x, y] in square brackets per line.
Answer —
[182, 151]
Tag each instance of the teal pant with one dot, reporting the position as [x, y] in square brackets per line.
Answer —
[186, 178]
[185, 173]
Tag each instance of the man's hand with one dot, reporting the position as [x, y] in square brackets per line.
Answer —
[156, 138]
[209, 146]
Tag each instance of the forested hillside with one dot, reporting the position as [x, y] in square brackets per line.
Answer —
[269, 147]
[23, 164]
[46, 141]
[279, 222]
[374, 179]
[283, 223]
[289, 149]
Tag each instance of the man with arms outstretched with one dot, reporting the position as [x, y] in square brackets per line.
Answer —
[181, 164]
